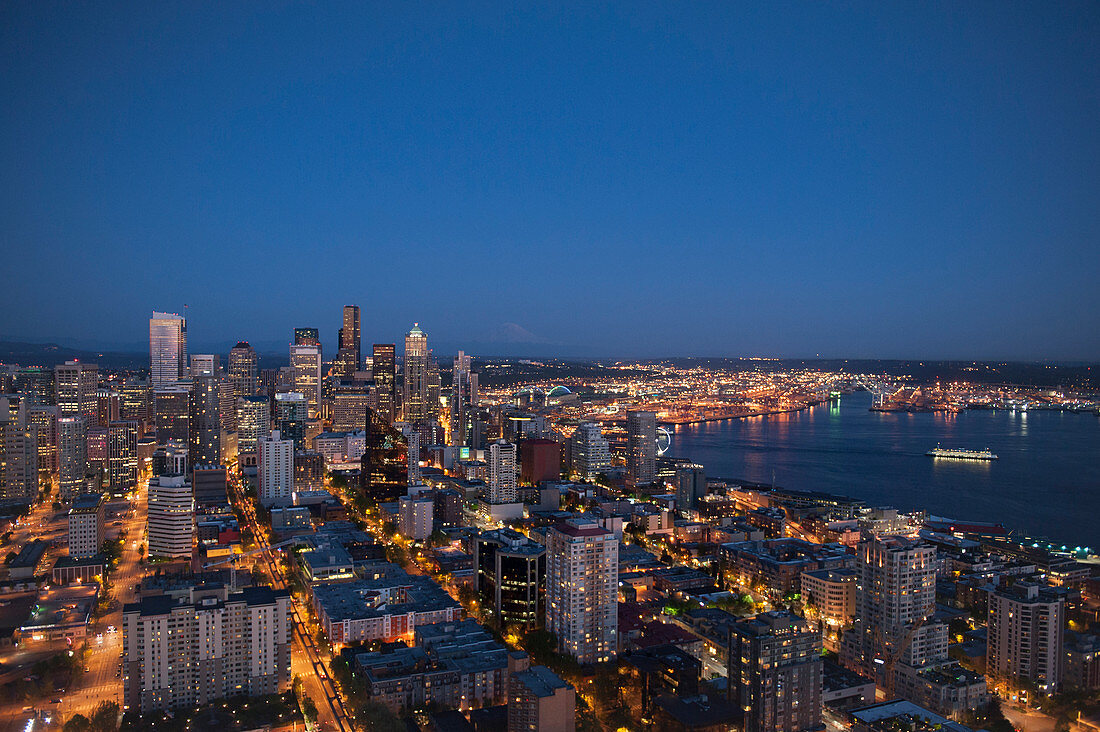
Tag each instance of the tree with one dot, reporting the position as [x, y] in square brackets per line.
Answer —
[309, 709]
[77, 723]
[105, 717]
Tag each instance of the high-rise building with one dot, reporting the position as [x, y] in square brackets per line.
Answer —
[412, 451]
[460, 399]
[172, 412]
[691, 485]
[775, 672]
[275, 470]
[502, 472]
[243, 369]
[72, 448]
[205, 364]
[135, 397]
[253, 421]
[306, 362]
[77, 384]
[167, 348]
[291, 416]
[415, 381]
[539, 460]
[307, 337]
[122, 463]
[351, 402]
[210, 484]
[641, 456]
[204, 428]
[37, 385]
[510, 577]
[350, 339]
[384, 370]
[171, 519]
[895, 601]
[582, 565]
[212, 644]
[414, 516]
[108, 407]
[18, 460]
[591, 453]
[1026, 629]
[540, 701]
[86, 526]
[43, 419]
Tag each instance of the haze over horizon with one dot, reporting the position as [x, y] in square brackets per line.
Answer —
[859, 181]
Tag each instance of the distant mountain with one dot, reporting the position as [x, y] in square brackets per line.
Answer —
[51, 354]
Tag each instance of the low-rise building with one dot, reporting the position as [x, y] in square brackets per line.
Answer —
[540, 701]
[775, 566]
[60, 616]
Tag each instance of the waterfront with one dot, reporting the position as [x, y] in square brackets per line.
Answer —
[1046, 482]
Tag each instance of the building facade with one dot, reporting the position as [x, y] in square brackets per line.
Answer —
[275, 470]
[171, 518]
[167, 348]
[582, 567]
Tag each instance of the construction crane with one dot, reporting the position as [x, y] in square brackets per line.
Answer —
[234, 558]
[893, 655]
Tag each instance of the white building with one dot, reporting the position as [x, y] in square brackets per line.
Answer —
[415, 514]
[412, 440]
[1026, 634]
[306, 363]
[171, 521]
[253, 422]
[591, 451]
[582, 609]
[209, 645]
[77, 384]
[502, 472]
[275, 470]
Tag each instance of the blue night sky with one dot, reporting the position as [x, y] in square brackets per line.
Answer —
[862, 179]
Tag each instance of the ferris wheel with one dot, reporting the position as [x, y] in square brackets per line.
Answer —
[664, 440]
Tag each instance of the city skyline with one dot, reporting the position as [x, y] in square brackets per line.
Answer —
[850, 182]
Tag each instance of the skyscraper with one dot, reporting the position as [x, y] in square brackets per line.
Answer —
[18, 460]
[86, 530]
[72, 438]
[350, 339]
[384, 370]
[641, 458]
[171, 518]
[167, 348]
[591, 453]
[502, 472]
[204, 441]
[460, 398]
[275, 470]
[122, 464]
[775, 672]
[253, 421]
[582, 564]
[306, 362]
[510, 577]
[204, 364]
[243, 369]
[77, 385]
[691, 485]
[895, 601]
[415, 382]
[291, 415]
[172, 412]
[307, 337]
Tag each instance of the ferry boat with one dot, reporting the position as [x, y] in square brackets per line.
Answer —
[960, 454]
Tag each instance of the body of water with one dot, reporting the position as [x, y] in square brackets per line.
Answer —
[1046, 482]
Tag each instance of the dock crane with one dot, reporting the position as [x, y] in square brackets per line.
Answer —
[233, 559]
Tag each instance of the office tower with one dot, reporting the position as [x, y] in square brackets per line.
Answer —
[351, 402]
[895, 600]
[540, 701]
[306, 362]
[172, 412]
[351, 356]
[582, 565]
[204, 426]
[86, 526]
[204, 364]
[243, 365]
[502, 472]
[227, 405]
[415, 381]
[775, 671]
[414, 516]
[122, 464]
[210, 644]
[691, 485]
[641, 456]
[384, 370]
[275, 470]
[170, 459]
[43, 419]
[1026, 634]
[432, 401]
[108, 407]
[591, 453]
[77, 384]
[135, 396]
[460, 398]
[72, 448]
[37, 385]
[539, 461]
[307, 337]
[210, 484]
[18, 460]
[291, 415]
[253, 421]
[510, 577]
[167, 348]
[309, 471]
[171, 519]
